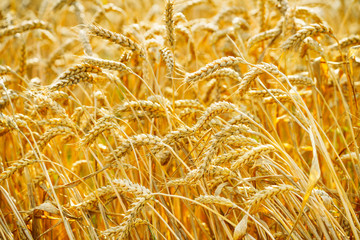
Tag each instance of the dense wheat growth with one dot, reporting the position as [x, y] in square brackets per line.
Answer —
[179, 119]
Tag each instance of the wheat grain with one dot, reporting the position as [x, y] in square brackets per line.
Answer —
[61, 3]
[230, 130]
[11, 123]
[289, 25]
[210, 86]
[282, 5]
[125, 57]
[204, 26]
[159, 99]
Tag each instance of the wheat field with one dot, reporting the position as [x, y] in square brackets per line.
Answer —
[176, 119]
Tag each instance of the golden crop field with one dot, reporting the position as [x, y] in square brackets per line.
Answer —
[176, 119]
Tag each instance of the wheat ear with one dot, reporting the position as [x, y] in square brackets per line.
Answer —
[133, 141]
[16, 166]
[295, 40]
[123, 231]
[263, 36]
[103, 124]
[212, 67]
[120, 185]
[119, 231]
[107, 64]
[347, 42]
[213, 110]
[142, 105]
[23, 27]
[74, 75]
[211, 199]
[115, 38]
[169, 21]
[53, 132]
[252, 74]
[252, 155]
[269, 192]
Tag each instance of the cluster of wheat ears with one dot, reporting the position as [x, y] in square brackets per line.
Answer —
[162, 119]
